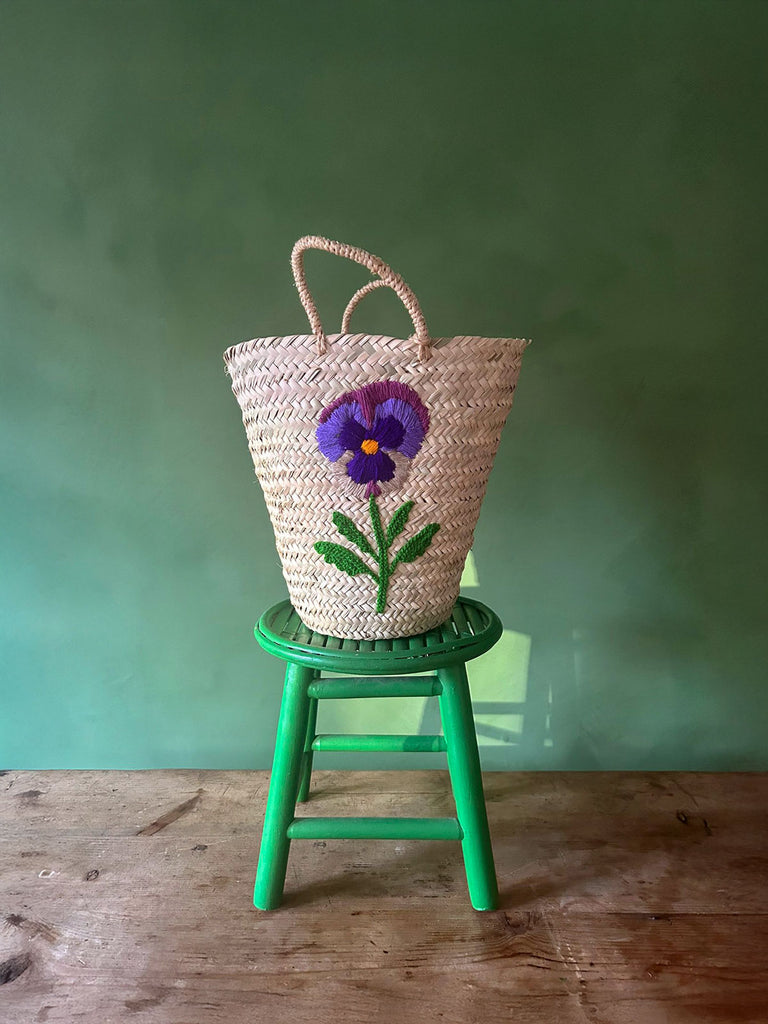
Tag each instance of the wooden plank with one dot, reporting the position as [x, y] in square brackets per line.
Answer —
[170, 816]
[575, 841]
[626, 897]
[690, 967]
[254, 997]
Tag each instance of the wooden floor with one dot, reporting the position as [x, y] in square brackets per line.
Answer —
[626, 899]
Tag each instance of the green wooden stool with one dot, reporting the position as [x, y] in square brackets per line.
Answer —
[471, 631]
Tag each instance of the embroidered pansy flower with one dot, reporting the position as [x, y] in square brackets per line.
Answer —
[372, 433]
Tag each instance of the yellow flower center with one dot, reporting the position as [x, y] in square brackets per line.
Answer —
[369, 446]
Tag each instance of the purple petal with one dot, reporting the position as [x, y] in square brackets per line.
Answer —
[370, 468]
[413, 428]
[388, 431]
[339, 428]
[352, 435]
[369, 396]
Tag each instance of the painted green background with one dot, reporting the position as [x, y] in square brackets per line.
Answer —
[589, 175]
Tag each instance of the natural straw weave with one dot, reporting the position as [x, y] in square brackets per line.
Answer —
[282, 384]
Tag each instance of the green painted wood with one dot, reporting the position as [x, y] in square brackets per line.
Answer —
[467, 784]
[292, 626]
[474, 619]
[304, 635]
[382, 686]
[459, 619]
[283, 787]
[472, 630]
[282, 617]
[307, 756]
[382, 742]
[375, 828]
[447, 633]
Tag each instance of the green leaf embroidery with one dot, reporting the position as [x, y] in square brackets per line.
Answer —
[347, 529]
[398, 521]
[343, 558]
[417, 545]
[351, 563]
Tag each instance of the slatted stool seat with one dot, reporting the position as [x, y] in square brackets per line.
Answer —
[382, 668]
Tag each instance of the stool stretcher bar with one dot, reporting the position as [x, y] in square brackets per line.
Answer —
[375, 828]
[383, 686]
[386, 742]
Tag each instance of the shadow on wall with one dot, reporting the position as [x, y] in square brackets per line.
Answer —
[512, 715]
[627, 519]
[512, 719]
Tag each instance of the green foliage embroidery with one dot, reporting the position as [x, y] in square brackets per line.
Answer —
[417, 545]
[347, 529]
[343, 558]
[350, 563]
[398, 521]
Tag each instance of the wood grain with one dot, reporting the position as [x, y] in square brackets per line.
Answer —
[626, 897]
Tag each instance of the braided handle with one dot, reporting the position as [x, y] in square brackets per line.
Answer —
[376, 266]
[353, 302]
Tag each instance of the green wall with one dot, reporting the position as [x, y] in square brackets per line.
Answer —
[589, 175]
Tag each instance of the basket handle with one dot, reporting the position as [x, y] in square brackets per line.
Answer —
[376, 266]
[353, 302]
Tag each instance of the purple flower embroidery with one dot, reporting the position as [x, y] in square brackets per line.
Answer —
[371, 434]
[378, 426]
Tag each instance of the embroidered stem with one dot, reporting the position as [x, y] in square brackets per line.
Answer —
[352, 564]
[382, 556]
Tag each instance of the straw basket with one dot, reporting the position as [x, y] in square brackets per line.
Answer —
[373, 454]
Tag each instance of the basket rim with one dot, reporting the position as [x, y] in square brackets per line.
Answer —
[437, 343]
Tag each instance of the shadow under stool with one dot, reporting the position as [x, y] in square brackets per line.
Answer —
[382, 668]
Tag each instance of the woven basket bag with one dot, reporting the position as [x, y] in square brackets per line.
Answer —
[373, 454]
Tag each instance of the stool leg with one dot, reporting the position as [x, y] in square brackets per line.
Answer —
[306, 759]
[467, 783]
[283, 788]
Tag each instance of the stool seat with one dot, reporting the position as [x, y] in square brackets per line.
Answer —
[471, 631]
[379, 668]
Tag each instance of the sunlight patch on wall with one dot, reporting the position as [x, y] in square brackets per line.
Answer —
[499, 685]
[372, 715]
[469, 577]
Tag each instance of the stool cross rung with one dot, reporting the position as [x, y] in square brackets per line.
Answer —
[385, 742]
[375, 828]
[383, 686]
